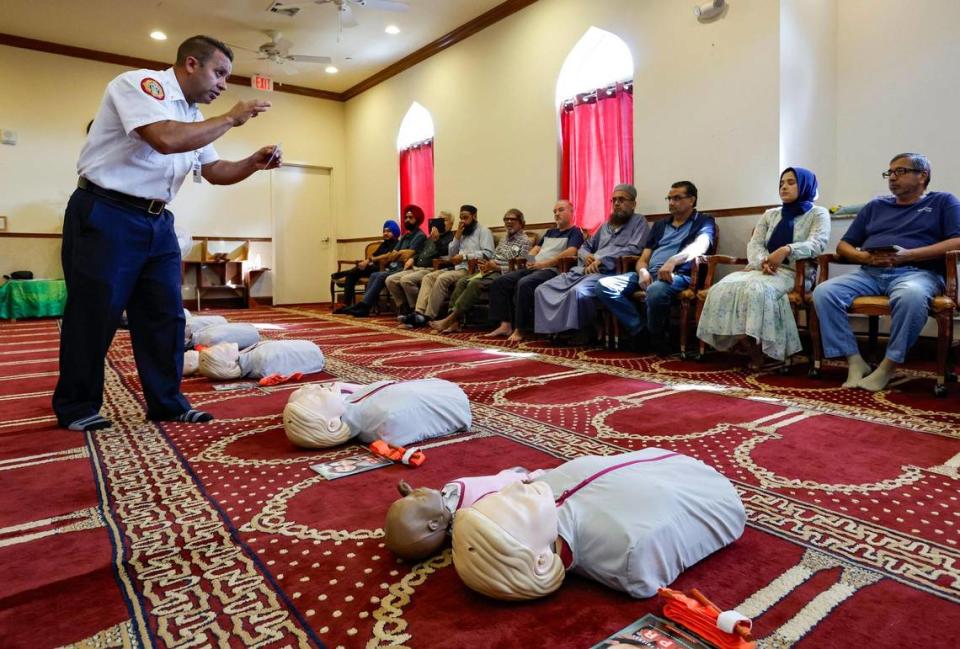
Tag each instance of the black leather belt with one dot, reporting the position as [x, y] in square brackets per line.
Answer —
[149, 206]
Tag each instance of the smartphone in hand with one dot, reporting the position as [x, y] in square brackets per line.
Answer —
[273, 156]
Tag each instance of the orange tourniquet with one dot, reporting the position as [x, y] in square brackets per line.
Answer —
[199, 348]
[700, 615]
[277, 379]
[398, 453]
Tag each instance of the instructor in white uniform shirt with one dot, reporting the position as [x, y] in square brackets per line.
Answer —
[119, 246]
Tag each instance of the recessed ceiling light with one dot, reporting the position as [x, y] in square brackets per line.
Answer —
[392, 29]
[330, 69]
[158, 35]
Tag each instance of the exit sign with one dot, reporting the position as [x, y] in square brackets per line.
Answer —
[262, 83]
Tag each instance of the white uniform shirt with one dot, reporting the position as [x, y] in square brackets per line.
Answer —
[116, 157]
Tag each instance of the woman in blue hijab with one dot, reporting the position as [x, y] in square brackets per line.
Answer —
[751, 306]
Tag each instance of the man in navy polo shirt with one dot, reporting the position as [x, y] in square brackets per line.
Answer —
[899, 241]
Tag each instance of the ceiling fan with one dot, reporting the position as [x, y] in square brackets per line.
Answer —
[345, 17]
[278, 51]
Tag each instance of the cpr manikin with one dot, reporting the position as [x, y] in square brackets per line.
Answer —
[632, 522]
[400, 413]
[197, 323]
[418, 524]
[269, 357]
[243, 334]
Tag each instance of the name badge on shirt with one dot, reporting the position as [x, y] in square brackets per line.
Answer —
[197, 175]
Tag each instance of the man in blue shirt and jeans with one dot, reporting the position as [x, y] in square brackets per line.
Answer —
[899, 241]
[663, 270]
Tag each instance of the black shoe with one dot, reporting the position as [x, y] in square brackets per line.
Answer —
[343, 309]
[359, 310]
[417, 320]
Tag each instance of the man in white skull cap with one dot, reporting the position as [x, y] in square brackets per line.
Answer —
[399, 413]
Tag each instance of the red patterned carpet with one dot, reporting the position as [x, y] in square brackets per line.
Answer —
[221, 535]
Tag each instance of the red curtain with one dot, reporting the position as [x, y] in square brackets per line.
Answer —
[416, 178]
[597, 132]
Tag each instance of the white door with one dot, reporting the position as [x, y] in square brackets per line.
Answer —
[300, 201]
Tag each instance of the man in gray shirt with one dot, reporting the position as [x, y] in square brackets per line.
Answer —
[470, 241]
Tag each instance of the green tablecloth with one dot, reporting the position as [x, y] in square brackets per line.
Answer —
[32, 298]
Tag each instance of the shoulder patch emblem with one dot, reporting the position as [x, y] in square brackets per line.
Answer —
[153, 88]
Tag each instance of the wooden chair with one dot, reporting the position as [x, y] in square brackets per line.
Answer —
[336, 285]
[942, 309]
[797, 296]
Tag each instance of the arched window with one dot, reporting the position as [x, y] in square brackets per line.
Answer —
[415, 143]
[595, 103]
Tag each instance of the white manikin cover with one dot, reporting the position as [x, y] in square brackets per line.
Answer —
[407, 412]
[191, 362]
[198, 323]
[220, 362]
[245, 335]
[311, 418]
[280, 357]
[635, 529]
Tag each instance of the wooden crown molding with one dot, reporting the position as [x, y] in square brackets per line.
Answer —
[449, 39]
[137, 63]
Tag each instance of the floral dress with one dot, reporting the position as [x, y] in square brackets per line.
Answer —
[751, 303]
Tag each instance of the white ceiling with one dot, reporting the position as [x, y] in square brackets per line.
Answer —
[123, 27]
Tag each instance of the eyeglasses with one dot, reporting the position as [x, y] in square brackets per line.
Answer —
[899, 171]
[508, 219]
[671, 199]
[621, 199]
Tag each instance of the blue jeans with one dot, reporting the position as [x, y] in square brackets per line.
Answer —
[909, 289]
[615, 293]
[374, 286]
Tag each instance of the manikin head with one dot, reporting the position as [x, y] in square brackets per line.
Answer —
[503, 546]
[220, 361]
[191, 362]
[312, 416]
[417, 523]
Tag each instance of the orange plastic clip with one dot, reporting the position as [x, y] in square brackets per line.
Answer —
[277, 379]
[413, 457]
[200, 348]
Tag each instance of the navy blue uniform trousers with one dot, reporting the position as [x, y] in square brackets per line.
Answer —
[118, 257]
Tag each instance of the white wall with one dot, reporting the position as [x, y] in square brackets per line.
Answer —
[701, 93]
[808, 90]
[898, 90]
[49, 99]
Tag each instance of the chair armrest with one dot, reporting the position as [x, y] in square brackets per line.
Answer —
[823, 266]
[341, 262]
[713, 261]
[381, 264]
[800, 275]
[473, 265]
[626, 263]
[566, 263]
[442, 262]
[517, 263]
[951, 275]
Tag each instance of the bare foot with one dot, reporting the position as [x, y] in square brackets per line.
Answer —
[502, 330]
[453, 328]
[857, 368]
[439, 325]
[516, 337]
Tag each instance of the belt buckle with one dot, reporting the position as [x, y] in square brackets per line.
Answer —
[155, 205]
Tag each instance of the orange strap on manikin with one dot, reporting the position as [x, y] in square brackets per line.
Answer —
[704, 618]
[412, 456]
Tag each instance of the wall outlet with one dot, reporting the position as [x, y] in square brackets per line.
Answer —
[8, 137]
[3, 224]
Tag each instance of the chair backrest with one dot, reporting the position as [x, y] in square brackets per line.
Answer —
[370, 249]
